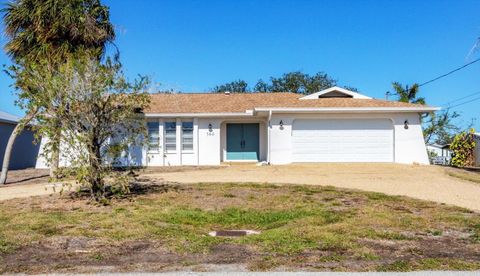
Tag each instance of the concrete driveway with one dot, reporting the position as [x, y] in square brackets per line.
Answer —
[422, 182]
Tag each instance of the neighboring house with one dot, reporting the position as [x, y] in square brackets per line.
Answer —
[333, 125]
[439, 154]
[25, 152]
[477, 148]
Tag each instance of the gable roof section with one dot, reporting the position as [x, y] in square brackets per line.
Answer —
[8, 118]
[336, 90]
[248, 102]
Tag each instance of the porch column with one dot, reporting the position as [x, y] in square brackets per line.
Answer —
[161, 138]
[269, 126]
[195, 141]
[179, 141]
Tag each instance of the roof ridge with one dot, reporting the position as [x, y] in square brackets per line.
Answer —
[221, 93]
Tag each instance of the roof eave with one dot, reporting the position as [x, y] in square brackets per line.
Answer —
[8, 121]
[248, 113]
[349, 109]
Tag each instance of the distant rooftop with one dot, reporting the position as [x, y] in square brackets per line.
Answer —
[8, 118]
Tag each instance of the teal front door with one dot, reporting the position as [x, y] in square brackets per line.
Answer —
[242, 142]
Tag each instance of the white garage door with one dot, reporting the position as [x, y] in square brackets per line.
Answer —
[343, 140]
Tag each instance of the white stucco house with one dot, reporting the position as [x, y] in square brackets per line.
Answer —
[333, 125]
[440, 150]
[439, 154]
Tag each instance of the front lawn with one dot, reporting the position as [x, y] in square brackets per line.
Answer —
[302, 228]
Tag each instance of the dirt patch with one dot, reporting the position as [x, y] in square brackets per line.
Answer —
[427, 247]
[167, 169]
[73, 254]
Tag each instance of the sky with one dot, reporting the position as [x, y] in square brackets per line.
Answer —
[192, 46]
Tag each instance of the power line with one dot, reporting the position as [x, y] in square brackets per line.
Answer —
[449, 73]
[466, 102]
[462, 98]
[388, 93]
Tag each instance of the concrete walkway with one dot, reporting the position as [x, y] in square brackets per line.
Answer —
[422, 182]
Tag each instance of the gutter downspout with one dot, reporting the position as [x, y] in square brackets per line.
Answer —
[269, 126]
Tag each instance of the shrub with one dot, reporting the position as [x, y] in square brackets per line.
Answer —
[463, 146]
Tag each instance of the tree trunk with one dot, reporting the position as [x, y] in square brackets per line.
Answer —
[55, 160]
[8, 150]
[96, 181]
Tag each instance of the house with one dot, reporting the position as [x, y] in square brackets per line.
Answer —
[24, 154]
[333, 125]
[439, 154]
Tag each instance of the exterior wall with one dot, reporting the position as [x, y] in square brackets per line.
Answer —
[209, 145]
[25, 151]
[135, 156]
[42, 162]
[209, 141]
[409, 143]
[409, 146]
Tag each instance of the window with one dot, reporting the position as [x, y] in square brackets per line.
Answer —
[170, 136]
[187, 136]
[153, 136]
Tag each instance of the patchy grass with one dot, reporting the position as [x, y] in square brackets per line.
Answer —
[464, 175]
[302, 228]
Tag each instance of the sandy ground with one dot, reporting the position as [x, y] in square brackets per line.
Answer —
[27, 176]
[422, 182]
[26, 183]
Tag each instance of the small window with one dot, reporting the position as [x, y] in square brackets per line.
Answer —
[153, 136]
[170, 136]
[187, 136]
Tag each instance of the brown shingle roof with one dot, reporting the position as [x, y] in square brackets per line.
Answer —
[240, 102]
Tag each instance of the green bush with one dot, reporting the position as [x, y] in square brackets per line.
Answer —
[463, 147]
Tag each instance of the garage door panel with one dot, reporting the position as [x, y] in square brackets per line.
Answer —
[342, 140]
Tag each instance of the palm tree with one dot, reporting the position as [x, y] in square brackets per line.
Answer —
[53, 29]
[49, 31]
[408, 94]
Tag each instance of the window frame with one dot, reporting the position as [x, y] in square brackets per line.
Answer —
[182, 137]
[157, 148]
[168, 135]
